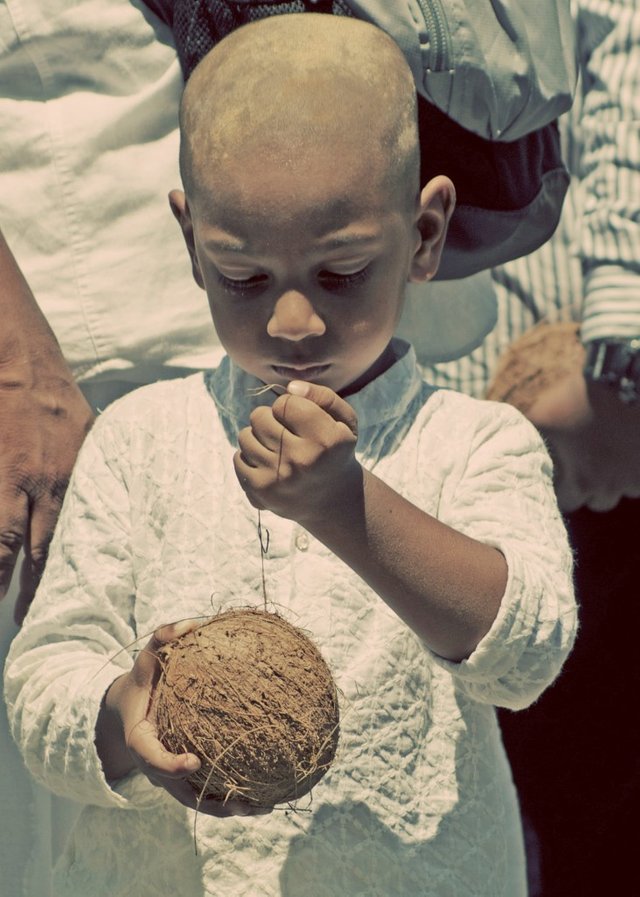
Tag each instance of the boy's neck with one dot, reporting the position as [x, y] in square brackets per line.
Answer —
[379, 367]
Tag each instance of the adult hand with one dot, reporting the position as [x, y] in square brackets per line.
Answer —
[297, 458]
[127, 738]
[594, 440]
[43, 421]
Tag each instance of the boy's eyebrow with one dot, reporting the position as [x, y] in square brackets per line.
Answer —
[349, 239]
[335, 242]
[225, 245]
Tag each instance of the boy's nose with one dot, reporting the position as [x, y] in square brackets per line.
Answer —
[294, 318]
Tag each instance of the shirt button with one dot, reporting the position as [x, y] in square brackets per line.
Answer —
[302, 541]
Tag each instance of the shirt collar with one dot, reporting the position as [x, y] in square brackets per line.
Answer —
[386, 399]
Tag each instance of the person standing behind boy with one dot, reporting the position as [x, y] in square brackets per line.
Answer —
[575, 753]
[413, 532]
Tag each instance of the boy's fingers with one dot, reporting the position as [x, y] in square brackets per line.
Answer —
[184, 793]
[154, 759]
[220, 808]
[146, 668]
[169, 771]
[172, 631]
[257, 450]
[285, 407]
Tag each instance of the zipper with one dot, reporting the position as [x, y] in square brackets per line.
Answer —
[436, 21]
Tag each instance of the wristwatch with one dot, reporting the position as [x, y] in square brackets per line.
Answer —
[615, 363]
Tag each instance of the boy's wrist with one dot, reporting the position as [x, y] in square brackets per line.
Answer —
[339, 510]
[110, 741]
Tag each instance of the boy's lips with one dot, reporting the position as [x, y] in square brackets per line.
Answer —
[300, 372]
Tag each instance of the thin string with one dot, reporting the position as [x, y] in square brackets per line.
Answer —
[263, 537]
[284, 418]
[263, 532]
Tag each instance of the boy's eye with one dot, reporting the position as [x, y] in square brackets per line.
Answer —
[242, 285]
[331, 280]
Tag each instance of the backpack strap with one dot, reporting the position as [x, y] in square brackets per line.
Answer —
[509, 195]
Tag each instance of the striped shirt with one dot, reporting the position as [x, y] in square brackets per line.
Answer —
[590, 270]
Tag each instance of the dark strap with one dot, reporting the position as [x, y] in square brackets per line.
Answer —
[200, 24]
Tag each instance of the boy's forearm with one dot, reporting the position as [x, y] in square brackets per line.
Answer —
[446, 586]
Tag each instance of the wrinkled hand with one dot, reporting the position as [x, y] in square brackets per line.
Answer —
[594, 440]
[129, 700]
[297, 458]
[43, 421]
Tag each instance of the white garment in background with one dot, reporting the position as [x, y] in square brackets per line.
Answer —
[89, 93]
[89, 96]
[155, 527]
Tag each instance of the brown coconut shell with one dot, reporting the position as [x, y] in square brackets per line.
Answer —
[540, 358]
[252, 697]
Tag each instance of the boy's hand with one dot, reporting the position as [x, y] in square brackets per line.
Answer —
[297, 458]
[127, 737]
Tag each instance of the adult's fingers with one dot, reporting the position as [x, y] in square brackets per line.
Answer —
[28, 586]
[45, 510]
[561, 407]
[14, 521]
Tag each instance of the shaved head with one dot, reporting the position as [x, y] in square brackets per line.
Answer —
[287, 88]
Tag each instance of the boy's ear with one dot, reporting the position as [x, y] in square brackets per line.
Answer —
[180, 209]
[437, 202]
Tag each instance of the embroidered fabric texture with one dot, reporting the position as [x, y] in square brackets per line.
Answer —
[156, 527]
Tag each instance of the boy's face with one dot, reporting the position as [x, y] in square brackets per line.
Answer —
[304, 265]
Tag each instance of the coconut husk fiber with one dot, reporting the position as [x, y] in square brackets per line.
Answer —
[252, 697]
[540, 358]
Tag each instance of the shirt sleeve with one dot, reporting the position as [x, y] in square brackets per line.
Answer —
[505, 498]
[79, 635]
[609, 168]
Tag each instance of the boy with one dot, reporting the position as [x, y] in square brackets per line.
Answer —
[414, 533]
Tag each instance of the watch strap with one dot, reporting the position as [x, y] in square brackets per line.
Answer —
[615, 363]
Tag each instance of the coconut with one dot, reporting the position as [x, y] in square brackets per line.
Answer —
[252, 697]
[543, 356]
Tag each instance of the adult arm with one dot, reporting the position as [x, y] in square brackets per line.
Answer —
[593, 435]
[43, 421]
